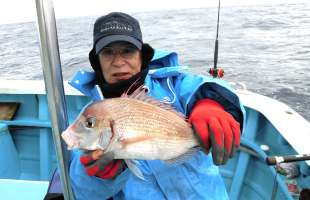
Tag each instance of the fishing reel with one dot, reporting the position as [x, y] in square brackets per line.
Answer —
[216, 72]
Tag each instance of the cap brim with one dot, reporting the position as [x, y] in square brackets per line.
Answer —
[116, 38]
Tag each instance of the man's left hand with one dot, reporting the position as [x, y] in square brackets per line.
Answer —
[215, 128]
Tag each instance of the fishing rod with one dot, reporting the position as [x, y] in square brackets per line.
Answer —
[255, 151]
[219, 73]
[273, 160]
[217, 36]
[215, 71]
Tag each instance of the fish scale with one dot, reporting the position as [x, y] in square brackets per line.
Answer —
[144, 113]
[147, 124]
[134, 127]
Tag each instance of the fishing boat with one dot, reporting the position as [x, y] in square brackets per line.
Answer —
[28, 157]
[272, 162]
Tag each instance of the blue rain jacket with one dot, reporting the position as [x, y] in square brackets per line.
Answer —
[197, 177]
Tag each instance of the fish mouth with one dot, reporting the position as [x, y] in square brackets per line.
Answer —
[71, 140]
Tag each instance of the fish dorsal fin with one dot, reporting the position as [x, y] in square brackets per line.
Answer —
[132, 87]
[182, 158]
[141, 94]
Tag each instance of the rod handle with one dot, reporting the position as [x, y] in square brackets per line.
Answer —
[273, 160]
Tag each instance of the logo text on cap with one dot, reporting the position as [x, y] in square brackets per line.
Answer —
[115, 26]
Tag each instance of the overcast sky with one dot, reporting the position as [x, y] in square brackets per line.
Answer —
[24, 10]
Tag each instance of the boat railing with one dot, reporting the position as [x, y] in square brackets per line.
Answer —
[50, 59]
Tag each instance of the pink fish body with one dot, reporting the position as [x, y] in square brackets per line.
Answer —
[132, 127]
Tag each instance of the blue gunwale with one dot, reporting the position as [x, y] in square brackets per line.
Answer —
[246, 176]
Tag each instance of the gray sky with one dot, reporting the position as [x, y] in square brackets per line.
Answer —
[24, 10]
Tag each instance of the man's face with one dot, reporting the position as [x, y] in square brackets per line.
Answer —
[119, 61]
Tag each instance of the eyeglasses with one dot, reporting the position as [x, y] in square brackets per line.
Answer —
[126, 52]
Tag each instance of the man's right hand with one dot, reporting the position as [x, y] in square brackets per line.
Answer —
[100, 165]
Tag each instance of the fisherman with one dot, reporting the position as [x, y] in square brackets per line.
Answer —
[120, 59]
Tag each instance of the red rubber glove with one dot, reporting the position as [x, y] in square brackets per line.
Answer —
[215, 128]
[100, 166]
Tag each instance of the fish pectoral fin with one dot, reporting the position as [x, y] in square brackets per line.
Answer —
[182, 158]
[132, 166]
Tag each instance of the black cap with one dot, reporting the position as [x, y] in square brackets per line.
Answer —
[115, 27]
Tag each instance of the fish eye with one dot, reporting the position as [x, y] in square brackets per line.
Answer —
[90, 122]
